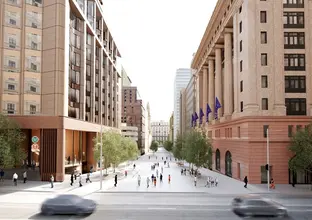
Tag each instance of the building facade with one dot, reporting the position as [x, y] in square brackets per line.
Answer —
[171, 128]
[148, 128]
[190, 103]
[181, 80]
[182, 112]
[58, 79]
[130, 132]
[263, 87]
[134, 113]
[160, 131]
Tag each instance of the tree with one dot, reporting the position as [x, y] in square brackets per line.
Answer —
[11, 138]
[154, 146]
[168, 145]
[198, 149]
[301, 147]
[178, 151]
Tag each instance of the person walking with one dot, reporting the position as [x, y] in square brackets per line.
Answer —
[169, 178]
[245, 181]
[72, 179]
[162, 169]
[195, 180]
[161, 178]
[80, 180]
[216, 181]
[52, 180]
[139, 180]
[147, 181]
[15, 177]
[88, 178]
[157, 173]
[25, 176]
[126, 173]
[155, 180]
[115, 180]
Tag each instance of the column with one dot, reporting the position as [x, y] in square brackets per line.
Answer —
[228, 75]
[218, 81]
[205, 88]
[211, 87]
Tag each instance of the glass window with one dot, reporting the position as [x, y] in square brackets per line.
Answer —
[37, 3]
[33, 41]
[11, 41]
[12, 19]
[263, 16]
[14, 2]
[33, 19]
[265, 104]
[264, 81]
[32, 85]
[264, 59]
[33, 64]
[263, 37]
[11, 63]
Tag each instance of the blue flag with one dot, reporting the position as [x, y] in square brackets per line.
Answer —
[217, 106]
[195, 118]
[201, 114]
[208, 111]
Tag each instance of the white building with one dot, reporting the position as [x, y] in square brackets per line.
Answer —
[181, 80]
[160, 131]
[148, 130]
[130, 131]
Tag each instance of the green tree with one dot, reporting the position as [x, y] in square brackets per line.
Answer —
[178, 151]
[168, 145]
[154, 146]
[301, 147]
[11, 138]
[129, 149]
[198, 149]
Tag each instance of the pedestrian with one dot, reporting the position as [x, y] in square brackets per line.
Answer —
[115, 180]
[147, 181]
[72, 179]
[139, 180]
[155, 180]
[216, 181]
[15, 177]
[126, 173]
[80, 180]
[162, 169]
[157, 173]
[25, 176]
[245, 181]
[1, 175]
[134, 166]
[169, 178]
[184, 171]
[88, 178]
[208, 182]
[161, 178]
[195, 180]
[52, 180]
[181, 171]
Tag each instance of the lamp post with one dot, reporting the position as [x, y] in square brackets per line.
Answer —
[101, 158]
[268, 158]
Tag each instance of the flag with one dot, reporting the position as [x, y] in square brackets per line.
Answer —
[208, 111]
[195, 118]
[201, 114]
[192, 120]
[217, 106]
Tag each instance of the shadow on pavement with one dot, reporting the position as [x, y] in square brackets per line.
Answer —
[40, 216]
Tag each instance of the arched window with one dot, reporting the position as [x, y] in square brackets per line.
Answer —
[228, 163]
[218, 167]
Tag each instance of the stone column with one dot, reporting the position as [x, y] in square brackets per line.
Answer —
[218, 81]
[228, 75]
[211, 93]
[200, 80]
[205, 88]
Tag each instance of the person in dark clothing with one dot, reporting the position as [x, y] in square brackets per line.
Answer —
[115, 180]
[161, 178]
[72, 179]
[245, 181]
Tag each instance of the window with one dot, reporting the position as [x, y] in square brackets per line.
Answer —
[12, 19]
[241, 46]
[33, 64]
[263, 37]
[241, 106]
[240, 27]
[294, 62]
[238, 132]
[33, 19]
[263, 17]
[32, 109]
[264, 59]
[14, 2]
[264, 81]
[296, 106]
[37, 3]
[240, 9]
[295, 84]
[11, 87]
[290, 130]
[88, 54]
[241, 66]
[294, 40]
[89, 39]
[11, 64]
[293, 3]
[265, 130]
[265, 104]
[241, 85]
[10, 108]
[33, 41]
[293, 20]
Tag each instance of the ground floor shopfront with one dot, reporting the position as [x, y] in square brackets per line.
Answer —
[240, 148]
[63, 145]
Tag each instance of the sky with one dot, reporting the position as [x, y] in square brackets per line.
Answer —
[156, 37]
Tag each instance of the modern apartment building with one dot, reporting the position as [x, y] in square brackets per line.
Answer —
[181, 80]
[59, 79]
[160, 131]
[129, 131]
[134, 113]
[254, 57]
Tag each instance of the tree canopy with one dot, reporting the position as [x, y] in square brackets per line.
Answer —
[168, 145]
[301, 147]
[154, 146]
[11, 138]
[115, 148]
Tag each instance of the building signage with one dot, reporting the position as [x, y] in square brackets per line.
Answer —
[35, 139]
[35, 148]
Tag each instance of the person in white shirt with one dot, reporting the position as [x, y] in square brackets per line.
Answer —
[139, 180]
[147, 181]
[195, 180]
[25, 176]
[15, 177]
[80, 180]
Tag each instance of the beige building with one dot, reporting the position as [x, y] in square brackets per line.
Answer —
[59, 78]
[130, 132]
[182, 117]
[254, 57]
[160, 131]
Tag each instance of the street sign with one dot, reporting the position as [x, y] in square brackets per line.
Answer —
[35, 148]
[35, 139]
